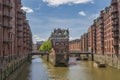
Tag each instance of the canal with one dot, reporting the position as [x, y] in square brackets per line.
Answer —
[39, 69]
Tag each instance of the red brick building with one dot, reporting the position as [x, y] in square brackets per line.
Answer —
[15, 32]
[94, 37]
[1, 42]
[90, 39]
[84, 43]
[74, 45]
[115, 11]
[103, 37]
[60, 47]
[106, 35]
[99, 36]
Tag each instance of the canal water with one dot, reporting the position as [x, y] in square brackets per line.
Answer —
[39, 69]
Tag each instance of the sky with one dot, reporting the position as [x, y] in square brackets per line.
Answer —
[76, 15]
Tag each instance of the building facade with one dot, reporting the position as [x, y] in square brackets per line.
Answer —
[1, 29]
[90, 39]
[84, 43]
[74, 45]
[106, 35]
[15, 32]
[60, 46]
[103, 36]
[108, 51]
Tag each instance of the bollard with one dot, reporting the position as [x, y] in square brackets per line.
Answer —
[92, 57]
[47, 57]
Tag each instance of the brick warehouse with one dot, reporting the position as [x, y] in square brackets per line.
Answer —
[103, 36]
[15, 32]
[107, 35]
[74, 45]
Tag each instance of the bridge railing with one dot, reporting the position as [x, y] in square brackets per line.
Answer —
[75, 51]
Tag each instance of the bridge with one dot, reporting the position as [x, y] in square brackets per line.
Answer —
[74, 52]
[38, 53]
[78, 53]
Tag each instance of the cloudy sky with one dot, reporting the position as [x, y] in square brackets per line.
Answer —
[46, 15]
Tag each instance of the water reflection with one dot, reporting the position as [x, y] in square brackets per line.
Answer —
[82, 70]
[38, 70]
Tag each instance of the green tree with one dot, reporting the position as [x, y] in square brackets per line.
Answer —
[46, 46]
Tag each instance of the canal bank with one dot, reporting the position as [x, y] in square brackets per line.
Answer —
[111, 61]
[10, 69]
[40, 69]
[36, 70]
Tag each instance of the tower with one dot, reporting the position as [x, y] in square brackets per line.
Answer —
[60, 43]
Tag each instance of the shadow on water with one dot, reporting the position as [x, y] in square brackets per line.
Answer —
[39, 69]
[34, 71]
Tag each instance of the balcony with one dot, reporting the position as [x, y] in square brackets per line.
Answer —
[7, 4]
[19, 24]
[19, 17]
[115, 36]
[25, 23]
[115, 29]
[94, 36]
[102, 29]
[101, 22]
[102, 40]
[24, 40]
[24, 27]
[20, 11]
[7, 26]
[114, 17]
[102, 46]
[7, 41]
[115, 23]
[19, 45]
[94, 32]
[115, 44]
[95, 40]
[102, 32]
[24, 32]
[114, 2]
[19, 30]
[7, 15]
[114, 11]
[19, 36]
[101, 17]
[102, 36]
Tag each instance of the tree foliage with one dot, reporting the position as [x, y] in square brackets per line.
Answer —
[46, 46]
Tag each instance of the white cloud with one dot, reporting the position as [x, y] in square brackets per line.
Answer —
[60, 2]
[76, 26]
[37, 38]
[82, 13]
[27, 9]
[94, 16]
[73, 38]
